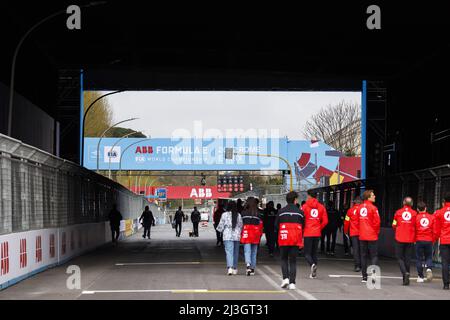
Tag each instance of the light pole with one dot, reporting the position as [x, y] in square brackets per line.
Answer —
[103, 134]
[13, 67]
[84, 120]
[112, 148]
[291, 188]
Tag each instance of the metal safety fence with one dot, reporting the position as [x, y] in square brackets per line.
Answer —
[39, 190]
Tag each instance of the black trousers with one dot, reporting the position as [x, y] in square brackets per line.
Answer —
[115, 233]
[445, 257]
[369, 254]
[310, 246]
[178, 228]
[147, 229]
[288, 256]
[271, 240]
[331, 236]
[356, 251]
[195, 226]
[403, 253]
[346, 242]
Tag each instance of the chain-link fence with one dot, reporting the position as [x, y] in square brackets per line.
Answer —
[39, 190]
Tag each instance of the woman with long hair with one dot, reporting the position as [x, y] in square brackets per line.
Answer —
[251, 233]
[231, 226]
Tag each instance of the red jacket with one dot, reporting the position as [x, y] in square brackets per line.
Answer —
[404, 224]
[442, 224]
[252, 229]
[352, 221]
[424, 227]
[316, 218]
[289, 225]
[369, 222]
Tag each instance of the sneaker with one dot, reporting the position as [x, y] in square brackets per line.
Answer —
[446, 287]
[230, 271]
[285, 283]
[313, 274]
[357, 269]
[143, 236]
[248, 270]
[429, 274]
[364, 279]
[252, 272]
[291, 286]
[235, 272]
[332, 253]
[420, 280]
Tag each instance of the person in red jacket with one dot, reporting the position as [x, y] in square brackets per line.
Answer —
[252, 231]
[442, 231]
[424, 242]
[316, 219]
[369, 228]
[289, 224]
[351, 227]
[404, 225]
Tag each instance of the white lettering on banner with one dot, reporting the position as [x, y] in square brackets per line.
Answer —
[201, 193]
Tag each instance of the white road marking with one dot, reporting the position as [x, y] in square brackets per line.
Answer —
[274, 284]
[303, 293]
[183, 291]
[157, 263]
[360, 276]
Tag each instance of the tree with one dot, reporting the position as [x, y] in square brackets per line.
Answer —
[99, 117]
[339, 126]
[119, 132]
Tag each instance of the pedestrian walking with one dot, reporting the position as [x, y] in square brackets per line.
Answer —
[316, 219]
[270, 214]
[195, 218]
[424, 242]
[442, 232]
[369, 229]
[251, 233]
[230, 225]
[351, 228]
[216, 217]
[289, 223]
[404, 225]
[147, 221]
[114, 222]
[179, 216]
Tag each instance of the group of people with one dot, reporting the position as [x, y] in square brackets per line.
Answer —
[302, 226]
[181, 217]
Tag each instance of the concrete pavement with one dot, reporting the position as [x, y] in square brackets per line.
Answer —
[167, 267]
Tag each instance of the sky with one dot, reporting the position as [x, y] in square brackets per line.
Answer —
[162, 112]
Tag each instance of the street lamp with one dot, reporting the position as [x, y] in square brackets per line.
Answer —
[103, 134]
[13, 67]
[112, 148]
[84, 120]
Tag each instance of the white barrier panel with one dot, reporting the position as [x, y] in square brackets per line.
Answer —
[24, 254]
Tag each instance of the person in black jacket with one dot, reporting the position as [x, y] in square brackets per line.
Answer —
[195, 218]
[147, 221]
[270, 213]
[334, 221]
[290, 224]
[114, 221]
[179, 216]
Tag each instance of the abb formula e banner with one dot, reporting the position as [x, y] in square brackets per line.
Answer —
[187, 192]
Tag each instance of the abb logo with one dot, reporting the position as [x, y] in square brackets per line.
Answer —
[38, 249]
[144, 149]
[52, 246]
[23, 253]
[63, 243]
[4, 258]
[201, 193]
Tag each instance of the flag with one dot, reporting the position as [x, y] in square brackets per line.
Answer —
[314, 144]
